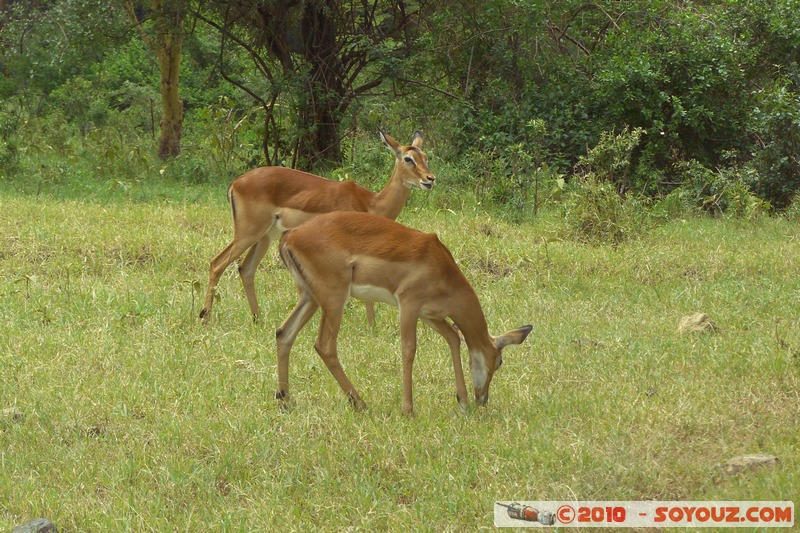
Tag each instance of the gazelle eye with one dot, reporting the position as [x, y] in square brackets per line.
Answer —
[408, 159]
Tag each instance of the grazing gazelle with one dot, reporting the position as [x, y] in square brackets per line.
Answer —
[338, 255]
[267, 201]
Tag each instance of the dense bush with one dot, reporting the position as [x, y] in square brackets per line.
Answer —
[726, 189]
[702, 81]
[775, 126]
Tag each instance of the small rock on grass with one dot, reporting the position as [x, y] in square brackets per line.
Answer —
[12, 414]
[751, 461]
[697, 323]
[37, 525]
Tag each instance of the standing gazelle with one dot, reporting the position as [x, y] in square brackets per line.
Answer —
[338, 255]
[267, 201]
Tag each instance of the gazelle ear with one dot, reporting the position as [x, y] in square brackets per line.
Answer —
[416, 142]
[515, 336]
[390, 143]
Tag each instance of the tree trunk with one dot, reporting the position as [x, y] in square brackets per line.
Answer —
[166, 42]
[321, 118]
[320, 143]
[169, 62]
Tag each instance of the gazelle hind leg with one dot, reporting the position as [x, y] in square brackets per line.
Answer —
[286, 335]
[329, 326]
[218, 265]
[247, 271]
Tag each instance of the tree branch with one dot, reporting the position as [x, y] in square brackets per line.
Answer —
[257, 59]
[567, 18]
[130, 11]
[434, 89]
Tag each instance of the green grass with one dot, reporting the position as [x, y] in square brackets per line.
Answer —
[137, 418]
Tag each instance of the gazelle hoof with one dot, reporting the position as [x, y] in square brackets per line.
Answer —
[356, 401]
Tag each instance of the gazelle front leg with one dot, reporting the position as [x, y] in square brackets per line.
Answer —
[370, 306]
[408, 340]
[454, 343]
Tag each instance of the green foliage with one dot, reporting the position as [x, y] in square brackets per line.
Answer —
[792, 212]
[80, 103]
[676, 85]
[679, 203]
[511, 94]
[231, 138]
[743, 202]
[514, 175]
[47, 44]
[700, 79]
[194, 168]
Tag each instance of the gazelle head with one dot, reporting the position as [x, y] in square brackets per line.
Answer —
[484, 363]
[412, 162]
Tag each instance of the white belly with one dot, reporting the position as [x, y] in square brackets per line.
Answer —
[372, 294]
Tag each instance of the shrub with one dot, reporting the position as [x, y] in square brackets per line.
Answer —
[792, 212]
[192, 168]
[743, 202]
[596, 208]
[610, 160]
[511, 171]
[678, 203]
[596, 212]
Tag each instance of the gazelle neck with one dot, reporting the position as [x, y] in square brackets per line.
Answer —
[390, 201]
[482, 352]
[472, 323]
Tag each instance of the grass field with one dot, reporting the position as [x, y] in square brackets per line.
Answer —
[136, 418]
